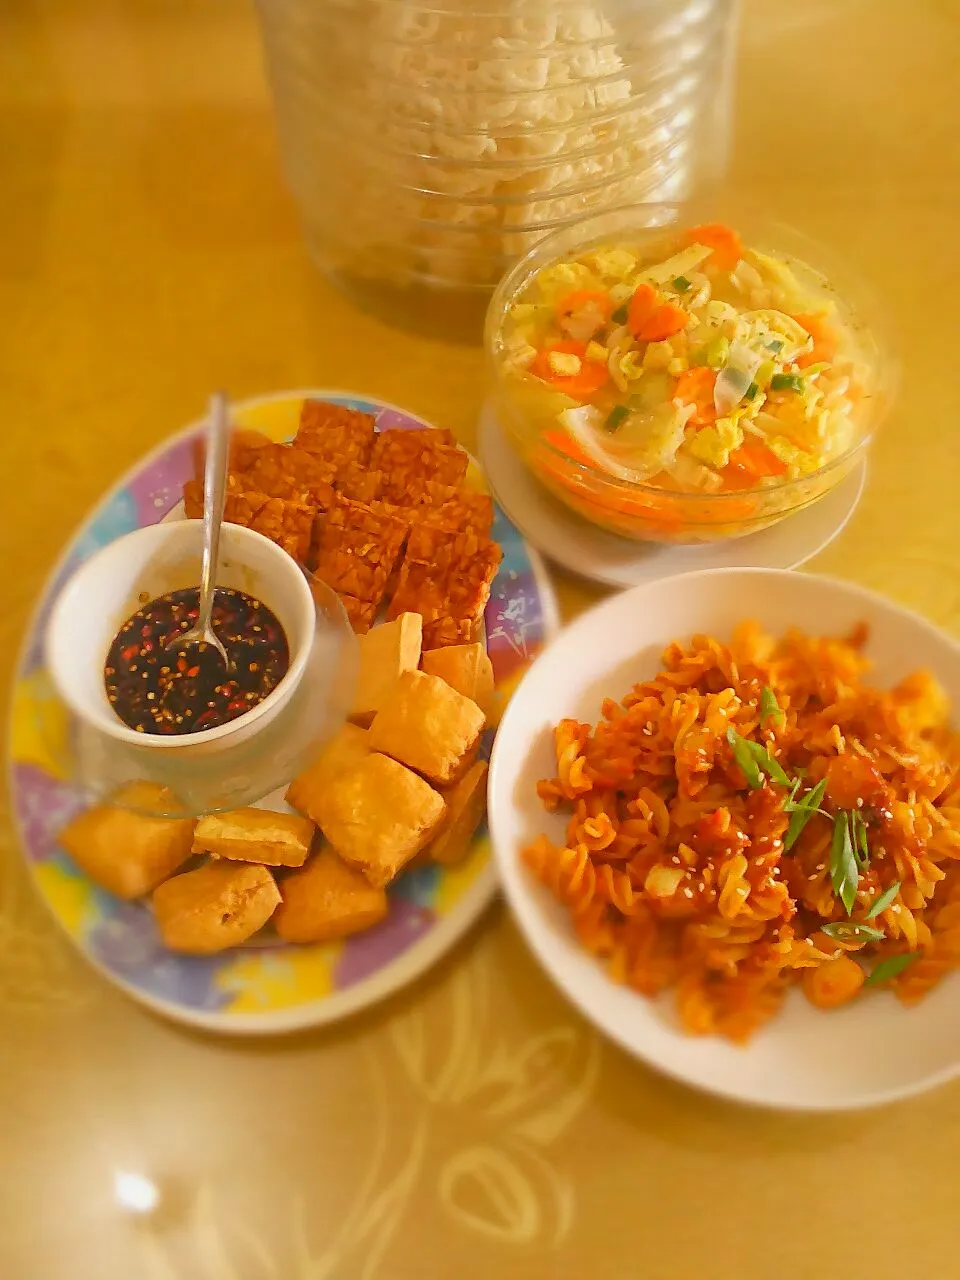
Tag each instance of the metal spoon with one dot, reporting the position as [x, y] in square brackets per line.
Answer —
[214, 495]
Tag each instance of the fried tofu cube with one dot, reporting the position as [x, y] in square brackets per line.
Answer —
[215, 907]
[359, 548]
[327, 899]
[127, 852]
[466, 805]
[428, 726]
[410, 460]
[288, 524]
[466, 668]
[385, 653]
[255, 835]
[379, 816]
[346, 748]
[341, 436]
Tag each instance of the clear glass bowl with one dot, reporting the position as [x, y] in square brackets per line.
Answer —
[429, 143]
[647, 511]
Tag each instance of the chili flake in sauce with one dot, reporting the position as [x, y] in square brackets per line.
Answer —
[160, 690]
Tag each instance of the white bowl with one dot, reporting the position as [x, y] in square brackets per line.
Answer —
[870, 1052]
[106, 590]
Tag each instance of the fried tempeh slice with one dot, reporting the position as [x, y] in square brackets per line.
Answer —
[411, 460]
[342, 437]
[255, 835]
[359, 548]
[327, 899]
[215, 907]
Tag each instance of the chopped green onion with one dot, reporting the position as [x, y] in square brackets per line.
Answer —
[769, 707]
[881, 903]
[616, 417]
[890, 967]
[776, 346]
[754, 759]
[810, 801]
[787, 382]
[744, 758]
[858, 830]
[770, 766]
[848, 931]
[620, 315]
[844, 873]
[751, 392]
[682, 283]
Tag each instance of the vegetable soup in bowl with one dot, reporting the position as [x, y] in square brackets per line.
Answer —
[683, 383]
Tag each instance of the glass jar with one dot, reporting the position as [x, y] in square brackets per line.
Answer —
[429, 145]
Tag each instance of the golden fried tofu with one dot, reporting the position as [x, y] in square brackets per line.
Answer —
[379, 815]
[255, 835]
[411, 460]
[359, 548]
[466, 805]
[215, 907]
[129, 853]
[385, 653]
[342, 437]
[466, 668]
[327, 899]
[346, 748]
[425, 724]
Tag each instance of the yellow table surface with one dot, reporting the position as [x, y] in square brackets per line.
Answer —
[475, 1125]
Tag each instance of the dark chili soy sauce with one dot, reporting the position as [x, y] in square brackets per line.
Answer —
[155, 689]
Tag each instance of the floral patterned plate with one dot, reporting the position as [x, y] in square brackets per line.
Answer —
[267, 988]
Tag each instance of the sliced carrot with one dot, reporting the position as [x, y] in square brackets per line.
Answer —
[723, 240]
[593, 374]
[580, 299]
[641, 307]
[667, 320]
[832, 983]
[751, 462]
[824, 340]
[695, 386]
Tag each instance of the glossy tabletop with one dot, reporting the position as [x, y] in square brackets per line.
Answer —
[474, 1125]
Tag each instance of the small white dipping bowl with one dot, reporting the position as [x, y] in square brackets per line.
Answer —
[114, 583]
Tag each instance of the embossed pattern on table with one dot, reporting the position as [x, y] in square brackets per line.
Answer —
[474, 1126]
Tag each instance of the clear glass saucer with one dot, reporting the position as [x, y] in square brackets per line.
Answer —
[234, 773]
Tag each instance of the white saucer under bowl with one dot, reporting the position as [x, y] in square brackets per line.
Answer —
[620, 562]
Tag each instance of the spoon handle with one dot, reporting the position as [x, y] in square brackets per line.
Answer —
[214, 495]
